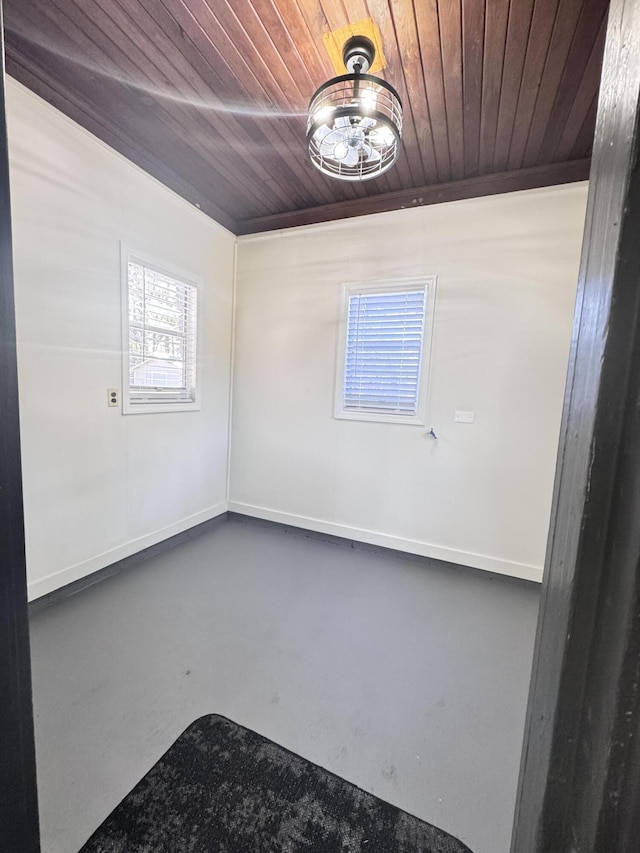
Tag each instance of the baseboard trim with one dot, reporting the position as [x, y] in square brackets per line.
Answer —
[81, 575]
[495, 565]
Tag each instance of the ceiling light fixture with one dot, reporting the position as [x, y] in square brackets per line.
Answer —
[355, 120]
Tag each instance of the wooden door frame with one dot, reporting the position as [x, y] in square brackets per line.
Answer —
[18, 794]
[580, 772]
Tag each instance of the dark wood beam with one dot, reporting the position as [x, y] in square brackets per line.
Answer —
[503, 182]
[580, 772]
[18, 795]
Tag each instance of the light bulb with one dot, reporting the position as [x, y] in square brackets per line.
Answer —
[368, 100]
[323, 115]
[382, 136]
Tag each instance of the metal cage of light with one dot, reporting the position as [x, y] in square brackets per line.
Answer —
[355, 120]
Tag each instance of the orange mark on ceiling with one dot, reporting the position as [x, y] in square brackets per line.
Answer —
[334, 43]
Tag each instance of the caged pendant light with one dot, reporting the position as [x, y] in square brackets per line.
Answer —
[355, 120]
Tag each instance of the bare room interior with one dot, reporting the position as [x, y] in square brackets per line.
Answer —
[234, 518]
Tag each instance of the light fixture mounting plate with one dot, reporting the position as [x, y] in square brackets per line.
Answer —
[358, 54]
[335, 40]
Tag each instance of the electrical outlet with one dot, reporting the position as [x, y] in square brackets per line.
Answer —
[113, 397]
[465, 417]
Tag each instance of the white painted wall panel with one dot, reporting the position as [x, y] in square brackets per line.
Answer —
[507, 271]
[98, 485]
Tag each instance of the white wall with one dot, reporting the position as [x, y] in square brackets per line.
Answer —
[480, 495]
[98, 485]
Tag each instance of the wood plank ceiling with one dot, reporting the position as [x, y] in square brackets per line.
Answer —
[210, 96]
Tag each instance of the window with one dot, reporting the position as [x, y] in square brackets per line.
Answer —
[384, 344]
[159, 336]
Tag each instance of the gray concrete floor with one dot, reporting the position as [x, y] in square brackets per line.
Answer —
[407, 678]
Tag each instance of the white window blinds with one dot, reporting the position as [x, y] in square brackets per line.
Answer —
[162, 336]
[383, 353]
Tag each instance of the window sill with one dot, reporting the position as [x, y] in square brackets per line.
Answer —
[129, 408]
[379, 417]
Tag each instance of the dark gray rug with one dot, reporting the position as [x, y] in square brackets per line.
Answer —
[224, 789]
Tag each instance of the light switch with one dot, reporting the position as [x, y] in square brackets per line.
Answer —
[465, 417]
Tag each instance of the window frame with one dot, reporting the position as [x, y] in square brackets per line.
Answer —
[151, 406]
[428, 283]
